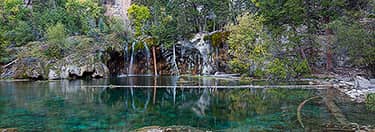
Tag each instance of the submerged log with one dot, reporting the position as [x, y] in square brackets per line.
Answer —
[300, 106]
[334, 109]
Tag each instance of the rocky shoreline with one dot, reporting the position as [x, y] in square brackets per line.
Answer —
[357, 88]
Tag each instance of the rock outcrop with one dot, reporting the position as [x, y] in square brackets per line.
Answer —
[77, 65]
[73, 66]
[29, 67]
[356, 88]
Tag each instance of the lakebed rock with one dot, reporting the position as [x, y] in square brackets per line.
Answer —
[168, 129]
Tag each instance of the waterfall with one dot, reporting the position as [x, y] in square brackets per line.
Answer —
[125, 56]
[148, 57]
[130, 69]
[204, 49]
[175, 67]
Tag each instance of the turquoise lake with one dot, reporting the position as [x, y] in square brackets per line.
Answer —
[67, 105]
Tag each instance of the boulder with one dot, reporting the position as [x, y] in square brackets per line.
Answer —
[372, 81]
[52, 75]
[362, 83]
[28, 67]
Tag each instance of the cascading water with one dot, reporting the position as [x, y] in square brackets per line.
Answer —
[205, 49]
[148, 57]
[175, 67]
[132, 55]
[130, 68]
[125, 56]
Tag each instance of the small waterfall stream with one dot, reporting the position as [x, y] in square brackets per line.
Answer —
[126, 59]
[130, 68]
[175, 67]
[205, 49]
[148, 58]
[132, 58]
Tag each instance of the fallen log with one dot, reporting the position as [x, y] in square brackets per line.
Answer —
[335, 110]
[300, 106]
[10, 63]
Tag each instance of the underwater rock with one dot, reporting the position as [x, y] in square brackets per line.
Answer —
[8, 130]
[168, 129]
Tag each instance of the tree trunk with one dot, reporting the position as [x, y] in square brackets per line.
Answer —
[154, 58]
[328, 52]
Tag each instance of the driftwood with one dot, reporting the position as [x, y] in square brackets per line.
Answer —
[300, 106]
[10, 63]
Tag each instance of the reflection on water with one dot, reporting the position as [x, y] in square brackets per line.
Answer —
[66, 106]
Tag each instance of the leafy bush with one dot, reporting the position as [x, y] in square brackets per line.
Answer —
[83, 14]
[248, 43]
[139, 14]
[277, 70]
[356, 42]
[56, 39]
[370, 102]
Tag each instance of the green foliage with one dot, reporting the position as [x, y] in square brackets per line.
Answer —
[56, 39]
[277, 70]
[370, 102]
[218, 39]
[301, 68]
[20, 34]
[139, 15]
[13, 23]
[84, 14]
[355, 41]
[248, 43]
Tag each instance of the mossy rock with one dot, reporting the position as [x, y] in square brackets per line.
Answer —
[29, 68]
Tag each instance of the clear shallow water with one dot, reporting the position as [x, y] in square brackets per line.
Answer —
[66, 106]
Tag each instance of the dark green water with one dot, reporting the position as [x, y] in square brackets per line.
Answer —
[66, 106]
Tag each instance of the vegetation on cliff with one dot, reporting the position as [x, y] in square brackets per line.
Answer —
[267, 39]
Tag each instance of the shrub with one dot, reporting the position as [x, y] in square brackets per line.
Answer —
[356, 41]
[370, 102]
[248, 43]
[56, 39]
[277, 69]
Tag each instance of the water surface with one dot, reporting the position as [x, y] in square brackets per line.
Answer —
[67, 106]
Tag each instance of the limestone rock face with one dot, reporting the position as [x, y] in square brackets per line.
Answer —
[29, 67]
[73, 66]
[79, 66]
